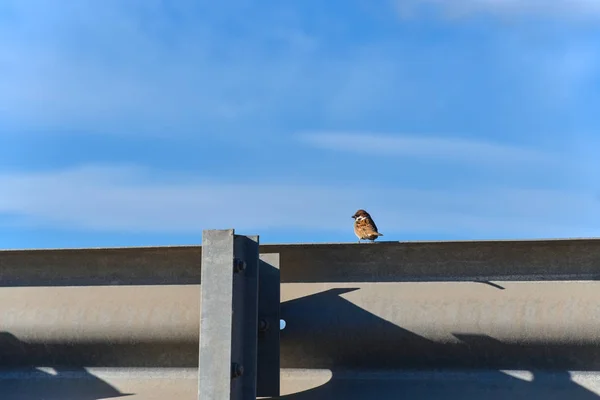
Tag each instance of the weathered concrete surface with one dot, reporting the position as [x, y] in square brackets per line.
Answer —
[47, 383]
[445, 261]
[112, 326]
[371, 325]
[161, 384]
[357, 311]
[439, 385]
[112, 266]
[346, 262]
[510, 325]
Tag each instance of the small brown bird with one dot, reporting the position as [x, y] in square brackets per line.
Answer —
[364, 227]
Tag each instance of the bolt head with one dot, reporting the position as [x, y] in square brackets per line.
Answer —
[263, 325]
[238, 265]
[237, 370]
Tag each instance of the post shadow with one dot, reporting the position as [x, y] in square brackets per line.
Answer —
[325, 331]
[26, 382]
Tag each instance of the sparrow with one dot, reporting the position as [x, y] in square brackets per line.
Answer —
[364, 227]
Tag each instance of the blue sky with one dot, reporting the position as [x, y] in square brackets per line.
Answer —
[143, 122]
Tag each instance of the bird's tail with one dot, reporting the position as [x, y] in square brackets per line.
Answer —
[379, 234]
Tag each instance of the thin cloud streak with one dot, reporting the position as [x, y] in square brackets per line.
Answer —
[122, 199]
[557, 9]
[440, 148]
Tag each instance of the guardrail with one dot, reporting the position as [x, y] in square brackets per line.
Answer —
[353, 311]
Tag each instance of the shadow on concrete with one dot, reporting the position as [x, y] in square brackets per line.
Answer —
[30, 383]
[492, 284]
[110, 354]
[370, 357]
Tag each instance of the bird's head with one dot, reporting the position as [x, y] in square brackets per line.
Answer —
[360, 213]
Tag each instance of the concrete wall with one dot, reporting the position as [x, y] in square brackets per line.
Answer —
[345, 262]
[368, 307]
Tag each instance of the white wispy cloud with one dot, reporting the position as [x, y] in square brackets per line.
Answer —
[125, 199]
[457, 150]
[473, 160]
[563, 9]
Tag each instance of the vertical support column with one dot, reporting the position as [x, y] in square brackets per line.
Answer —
[269, 286]
[228, 316]
[245, 323]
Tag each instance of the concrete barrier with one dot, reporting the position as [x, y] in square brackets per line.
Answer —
[385, 306]
[560, 259]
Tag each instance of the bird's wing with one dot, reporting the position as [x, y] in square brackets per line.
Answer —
[372, 224]
[366, 227]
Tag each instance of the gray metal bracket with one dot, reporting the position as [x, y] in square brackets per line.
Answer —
[269, 297]
[234, 362]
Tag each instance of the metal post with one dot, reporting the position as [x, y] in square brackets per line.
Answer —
[268, 326]
[228, 316]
